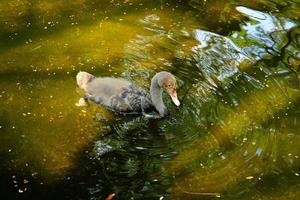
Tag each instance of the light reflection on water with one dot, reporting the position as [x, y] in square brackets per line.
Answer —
[235, 135]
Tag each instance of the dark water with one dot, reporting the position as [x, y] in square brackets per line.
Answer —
[235, 136]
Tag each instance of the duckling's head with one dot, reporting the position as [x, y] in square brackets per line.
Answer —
[167, 81]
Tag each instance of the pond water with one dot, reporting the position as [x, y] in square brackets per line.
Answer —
[235, 136]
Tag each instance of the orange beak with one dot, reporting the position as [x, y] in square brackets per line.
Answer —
[173, 94]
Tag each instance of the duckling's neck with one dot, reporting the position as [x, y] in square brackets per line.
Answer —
[156, 98]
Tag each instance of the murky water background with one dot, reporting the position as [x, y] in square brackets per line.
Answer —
[235, 136]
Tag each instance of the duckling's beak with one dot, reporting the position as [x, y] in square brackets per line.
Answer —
[173, 94]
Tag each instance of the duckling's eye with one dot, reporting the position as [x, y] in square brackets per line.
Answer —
[169, 85]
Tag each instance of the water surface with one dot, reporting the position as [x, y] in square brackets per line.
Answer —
[235, 136]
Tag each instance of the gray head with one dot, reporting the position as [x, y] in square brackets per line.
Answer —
[83, 78]
[167, 81]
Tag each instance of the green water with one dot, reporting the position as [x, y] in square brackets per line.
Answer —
[235, 136]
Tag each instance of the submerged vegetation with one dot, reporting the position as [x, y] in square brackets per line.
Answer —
[235, 135]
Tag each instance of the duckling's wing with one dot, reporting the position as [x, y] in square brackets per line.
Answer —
[130, 100]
